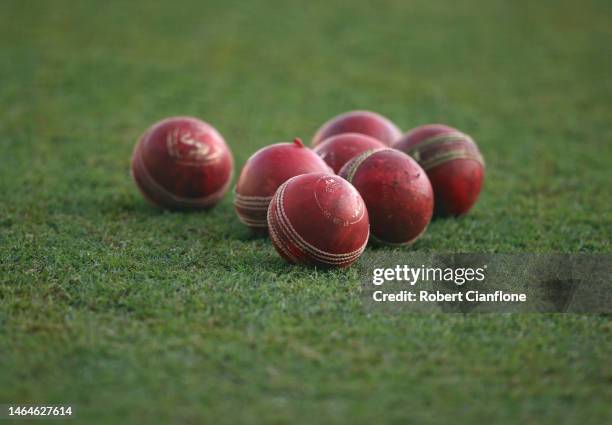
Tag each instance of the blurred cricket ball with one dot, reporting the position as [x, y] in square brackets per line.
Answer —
[364, 122]
[264, 172]
[396, 192]
[318, 219]
[182, 163]
[338, 150]
[453, 163]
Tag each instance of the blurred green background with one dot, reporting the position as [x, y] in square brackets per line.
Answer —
[139, 316]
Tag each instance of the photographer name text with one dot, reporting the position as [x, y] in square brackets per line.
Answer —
[458, 275]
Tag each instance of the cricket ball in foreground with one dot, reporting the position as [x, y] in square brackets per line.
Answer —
[264, 172]
[364, 122]
[396, 192]
[182, 163]
[338, 150]
[453, 163]
[318, 219]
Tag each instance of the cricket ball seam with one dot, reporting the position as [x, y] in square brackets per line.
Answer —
[449, 156]
[325, 260]
[259, 205]
[252, 210]
[432, 143]
[356, 162]
[444, 137]
[251, 200]
[252, 222]
[276, 238]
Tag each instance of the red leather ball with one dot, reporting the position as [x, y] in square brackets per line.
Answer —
[182, 163]
[318, 219]
[338, 150]
[453, 163]
[364, 122]
[397, 193]
[264, 172]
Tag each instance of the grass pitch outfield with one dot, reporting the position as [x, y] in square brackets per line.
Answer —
[138, 316]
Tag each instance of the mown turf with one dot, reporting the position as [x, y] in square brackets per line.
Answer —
[139, 316]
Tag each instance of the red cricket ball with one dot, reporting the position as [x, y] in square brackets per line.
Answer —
[264, 172]
[453, 163]
[396, 191]
[364, 122]
[340, 149]
[318, 219]
[182, 163]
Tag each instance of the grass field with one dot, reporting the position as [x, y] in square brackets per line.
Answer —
[139, 316]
